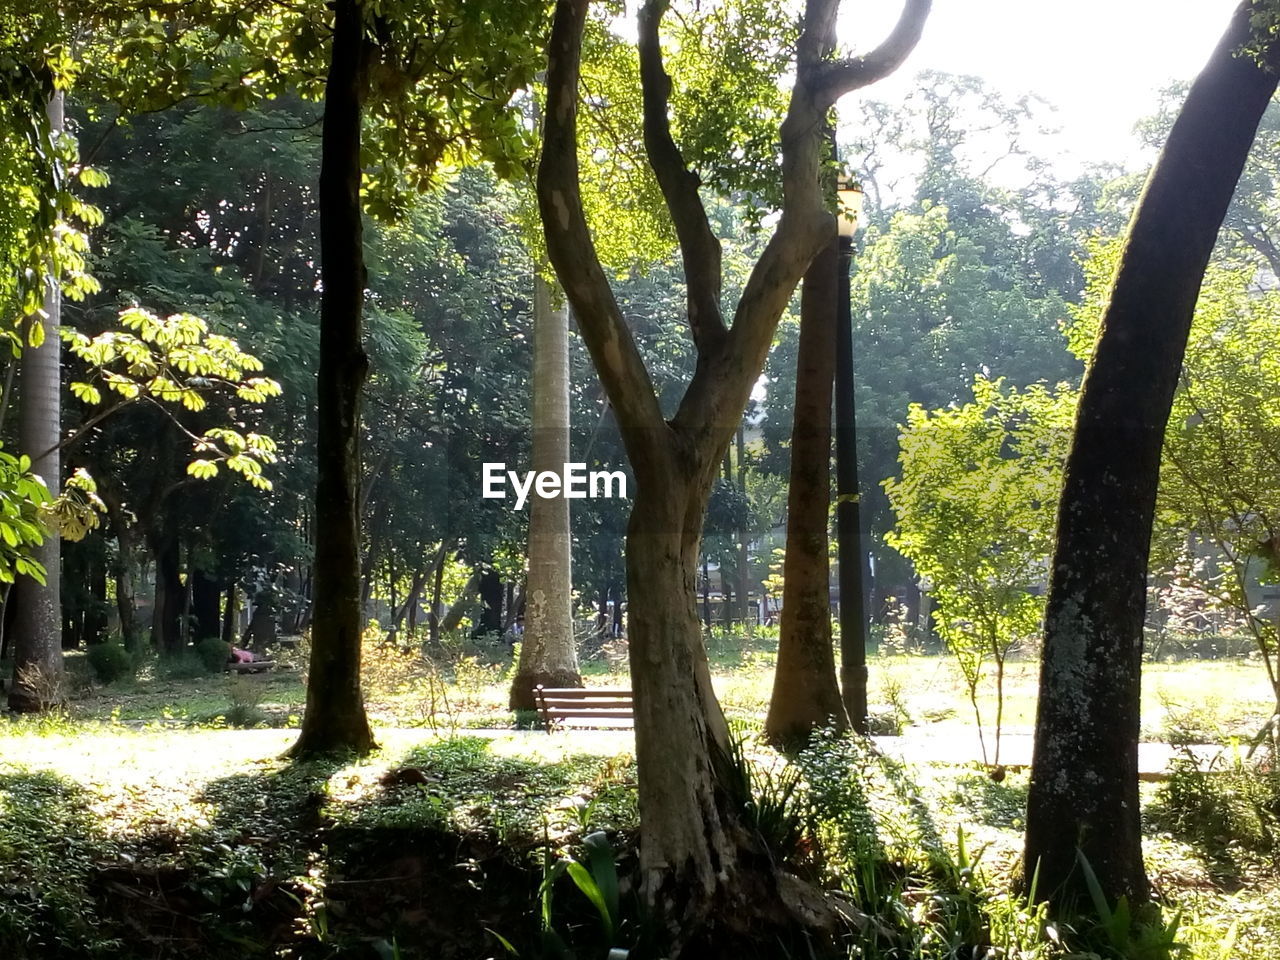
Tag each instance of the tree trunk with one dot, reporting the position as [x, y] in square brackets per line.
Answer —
[490, 621]
[124, 570]
[854, 577]
[205, 594]
[37, 624]
[680, 730]
[167, 606]
[805, 693]
[744, 554]
[335, 718]
[437, 585]
[1084, 789]
[229, 611]
[548, 652]
[453, 618]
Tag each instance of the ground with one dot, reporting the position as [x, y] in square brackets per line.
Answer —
[144, 816]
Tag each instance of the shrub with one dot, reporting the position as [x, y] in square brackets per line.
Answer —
[184, 664]
[213, 653]
[1233, 808]
[247, 694]
[109, 662]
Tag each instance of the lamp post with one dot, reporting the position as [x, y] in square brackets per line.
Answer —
[854, 578]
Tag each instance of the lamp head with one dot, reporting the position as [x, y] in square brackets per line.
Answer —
[849, 206]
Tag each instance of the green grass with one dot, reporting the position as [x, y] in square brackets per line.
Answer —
[146, 779]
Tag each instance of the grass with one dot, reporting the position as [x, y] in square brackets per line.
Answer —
[142, 817]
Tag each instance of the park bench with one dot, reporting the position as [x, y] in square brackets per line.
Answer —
[584, 707]
[251, 666]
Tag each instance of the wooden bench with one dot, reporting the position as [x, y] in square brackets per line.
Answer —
[584, 707]
[250, 666]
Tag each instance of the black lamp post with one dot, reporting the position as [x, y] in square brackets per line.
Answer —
[854, 577]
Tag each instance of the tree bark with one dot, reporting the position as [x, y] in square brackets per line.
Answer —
[205, 594]
[229, 610]
[744, 551]
[167, 607]
[125, 567]
[805, 693]
[490, 621]
[37, 623]
[335, 718]
[701, 871]
[453, 616]
[1084, 789]
[548, 651]
[854, 577]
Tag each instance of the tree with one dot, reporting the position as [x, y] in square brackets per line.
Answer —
[335, 718]
[1083, 800]
[974, 518]
[548, 651]
[37, 625]
[692, 847]
[805, 693]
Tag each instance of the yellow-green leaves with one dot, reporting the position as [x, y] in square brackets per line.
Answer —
[22, 496]
[76, 510]
[175, 361]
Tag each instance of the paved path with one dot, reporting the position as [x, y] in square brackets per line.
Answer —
[925, 746]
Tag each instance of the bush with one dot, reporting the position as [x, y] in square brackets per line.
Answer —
[247, 693]
[1224, 810]
[184, 664]
[213, 653]
[109, 662]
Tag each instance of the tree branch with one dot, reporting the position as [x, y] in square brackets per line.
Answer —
[699, 247]
[573, 253]
[836, 79]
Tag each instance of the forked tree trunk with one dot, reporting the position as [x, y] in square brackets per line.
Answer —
[1084, 778]
[805, 693]
[703, 873]
[37, 623]
[680, 729]
[548, 652]
[335, 718]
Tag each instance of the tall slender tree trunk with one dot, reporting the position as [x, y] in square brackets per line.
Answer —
[1084, 779]
[854, 577]
[205, 594]
[335, 718]
[744, 553]
[169, 595]
[548, 651]
[805, 692]
[229, 610]
[37, 624]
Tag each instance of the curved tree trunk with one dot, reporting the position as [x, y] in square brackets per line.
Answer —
[702, 871]
[37, 623]
[335, 718]
[805, 693]
[548, 652]
[1084, 789]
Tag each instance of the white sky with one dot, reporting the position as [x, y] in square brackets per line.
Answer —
[1100, 62]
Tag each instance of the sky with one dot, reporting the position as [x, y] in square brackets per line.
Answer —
[1102, 63]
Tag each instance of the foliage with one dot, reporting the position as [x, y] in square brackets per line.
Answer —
[21, 496]
[173, 360]
[48, 842]
[110, 661]
[213, 653]
[1229, 811]
[974, 514]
